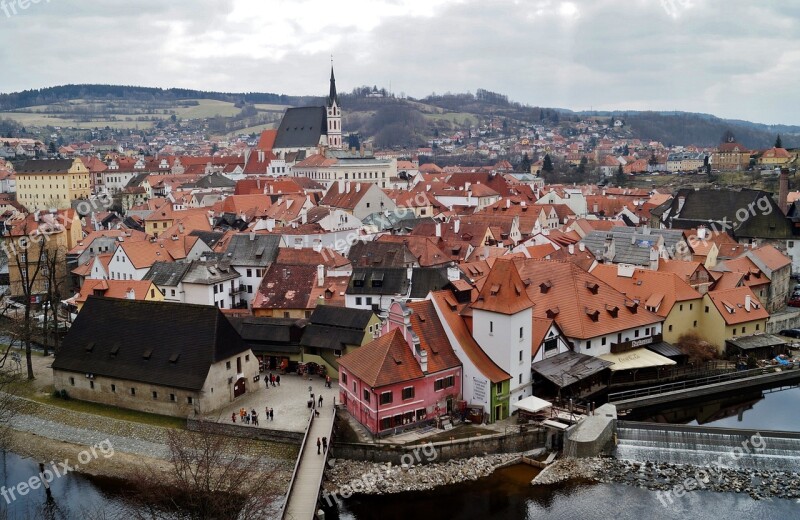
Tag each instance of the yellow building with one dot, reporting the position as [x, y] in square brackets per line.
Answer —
[774, 157]
[53, 183]
[731, 313]
[35, 242]
[142, 290]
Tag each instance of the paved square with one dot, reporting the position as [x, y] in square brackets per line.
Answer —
[288, 401]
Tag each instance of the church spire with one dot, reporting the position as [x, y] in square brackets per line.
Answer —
[332, 97]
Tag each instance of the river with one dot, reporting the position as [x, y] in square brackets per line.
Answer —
[507, 494]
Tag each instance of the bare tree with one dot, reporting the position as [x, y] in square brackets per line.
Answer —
[26, 258]
[208, 477]
[10, 376]
[55, 282]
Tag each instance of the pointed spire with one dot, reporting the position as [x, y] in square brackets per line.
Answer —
[332, 97]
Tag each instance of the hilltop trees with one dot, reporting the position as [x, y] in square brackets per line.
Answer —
[778, 143]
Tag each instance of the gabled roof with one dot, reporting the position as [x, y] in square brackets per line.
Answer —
[503, 291]
[159, 343]
[384, 361]
[167, 273]
[654, 289]
[380, 254]
[379, 281]
[253, 249]
[301, 128]
[432, 338]
[341, 317]
[120, 289]
[427, 279]
[733, 306]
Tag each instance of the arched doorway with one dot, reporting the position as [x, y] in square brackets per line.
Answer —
[240, 387]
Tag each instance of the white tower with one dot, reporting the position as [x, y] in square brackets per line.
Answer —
[334, 117]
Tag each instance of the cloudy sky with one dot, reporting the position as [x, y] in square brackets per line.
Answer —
[732, 58]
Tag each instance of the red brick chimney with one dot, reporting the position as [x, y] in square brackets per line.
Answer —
[783, 191]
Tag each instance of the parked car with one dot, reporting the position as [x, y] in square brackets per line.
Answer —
[794, 302]
[790, 333]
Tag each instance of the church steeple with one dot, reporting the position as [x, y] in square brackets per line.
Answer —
[332, 97]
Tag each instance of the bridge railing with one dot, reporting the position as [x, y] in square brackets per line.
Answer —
[692, 383]
[296, 467]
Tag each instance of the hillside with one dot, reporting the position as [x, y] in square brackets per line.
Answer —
[388, 120]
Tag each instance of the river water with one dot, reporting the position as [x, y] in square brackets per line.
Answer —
[507, 494]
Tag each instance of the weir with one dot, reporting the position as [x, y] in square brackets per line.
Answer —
[704, 446]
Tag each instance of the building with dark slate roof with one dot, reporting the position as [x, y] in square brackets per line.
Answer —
[376, 288]
[276, 342]
[334, 331]
[155, 357]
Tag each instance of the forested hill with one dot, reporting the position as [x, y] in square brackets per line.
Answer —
[51, 95]
[411, 121]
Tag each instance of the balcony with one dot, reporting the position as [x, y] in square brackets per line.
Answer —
[236, 290]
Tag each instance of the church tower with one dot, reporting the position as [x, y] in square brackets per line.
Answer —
[334, 117]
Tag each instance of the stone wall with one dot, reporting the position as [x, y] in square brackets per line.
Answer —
[789, 319]
[457, 449]
[248, 432]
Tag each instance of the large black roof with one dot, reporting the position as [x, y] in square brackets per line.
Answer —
[342, 317]
[158, 343]
[45, 166]
[379, 281]
[301, 127]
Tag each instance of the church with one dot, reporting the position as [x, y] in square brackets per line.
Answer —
[304, 130]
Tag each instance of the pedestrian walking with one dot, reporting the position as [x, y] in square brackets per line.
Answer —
[325, 444]
[266, 412]
[271, 414]
[247, 418]
[328, 381]
[254, 416]
[233, 417]
[318, 446]
[320, 400]
[278, 379]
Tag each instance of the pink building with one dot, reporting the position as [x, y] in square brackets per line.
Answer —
[407, 375]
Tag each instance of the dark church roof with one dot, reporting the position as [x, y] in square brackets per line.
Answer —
[157, 343]
[301, 127]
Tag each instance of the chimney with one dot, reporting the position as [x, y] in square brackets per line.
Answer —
[347, 187]
[653, 259]
[581, 247]
[571, 249]
[428, 187]
[340, 185]
[423, 361]
[303, 216]
[358, 187]
[261, 156]
[320, 275]
[456, 225]
[508, 203]
[270, 224]
[130, 295]
[702, 232]
[252, 236]
[747, 303]
[783, 192]
[439, 229]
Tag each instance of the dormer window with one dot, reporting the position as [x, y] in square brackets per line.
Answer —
[593, 287]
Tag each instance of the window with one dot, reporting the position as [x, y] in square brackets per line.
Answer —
[172, 397]
[386, 398]
[758, 326]
[247, 358]
[550, 345]
[386, 423]
[521, 332]
[449, 381]
[520, 356]
[734, 331]
[368, 300]
[337, 353]
[603, 341]
[190, 399]
[491, 328]
[358, 300]
[694, 324]
[133, 391]
[114, 389]
[589, 344]
[744, 329]
[72, 381]
[91, 385]
[520, 380]
[354, 387]
[155, 395]
[366, 395]
[670, 328]
[344, 378]
[408, 393]
[249, 273]
[227, 365]
[438, 384]
[691, 306]
[706, 309]
[636, 333]
[680, 307]
[172, 292]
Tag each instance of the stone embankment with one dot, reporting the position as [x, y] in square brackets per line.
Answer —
[758, 484]
[378, 479]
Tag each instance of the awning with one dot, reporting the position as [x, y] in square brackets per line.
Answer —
[555, 424]
[636, 358]
[531, 404]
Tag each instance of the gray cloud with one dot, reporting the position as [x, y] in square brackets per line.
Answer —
[732, 58]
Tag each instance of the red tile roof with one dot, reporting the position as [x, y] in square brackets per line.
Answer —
[503, 291]
[384, 361]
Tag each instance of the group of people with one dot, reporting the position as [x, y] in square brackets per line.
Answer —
[323, 444]
[250, 417]
[273, 380]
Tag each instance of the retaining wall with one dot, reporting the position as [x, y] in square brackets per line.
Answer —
[248, 432]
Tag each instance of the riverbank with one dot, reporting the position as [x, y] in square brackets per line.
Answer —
[380, 479]
[758, 484]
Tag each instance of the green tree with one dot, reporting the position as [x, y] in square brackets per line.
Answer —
[620, 178]
[582, 166]
[51, 148]
[525, 165]
[653, 159]
[778, 143]
[547, 164]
